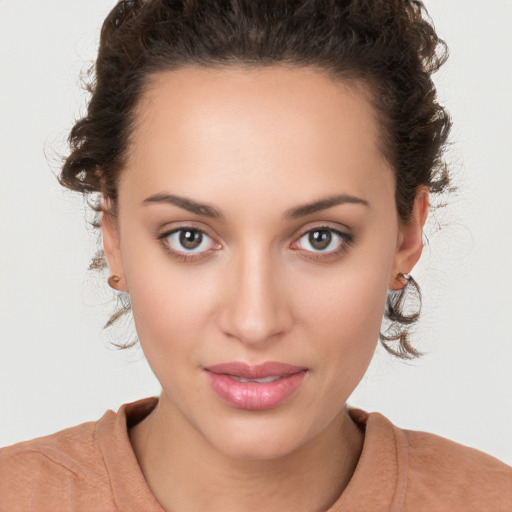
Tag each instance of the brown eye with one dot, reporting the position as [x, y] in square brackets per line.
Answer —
[323, 240]
[320, 239]
[190, 239]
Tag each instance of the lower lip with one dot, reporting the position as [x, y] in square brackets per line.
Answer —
[254, 396]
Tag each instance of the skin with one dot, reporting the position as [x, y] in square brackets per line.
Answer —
[254, 144]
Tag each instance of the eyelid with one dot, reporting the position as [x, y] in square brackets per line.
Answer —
[346, 236]
[185, 255]
[337, 228]
[173, 227]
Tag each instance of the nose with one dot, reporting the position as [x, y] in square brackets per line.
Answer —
[255, 309]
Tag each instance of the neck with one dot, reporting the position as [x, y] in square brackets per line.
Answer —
[185, 472]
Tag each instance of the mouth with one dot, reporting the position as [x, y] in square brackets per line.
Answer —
[255, 387]
[264, 380]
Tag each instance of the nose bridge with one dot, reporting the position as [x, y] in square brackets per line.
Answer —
[256, 309]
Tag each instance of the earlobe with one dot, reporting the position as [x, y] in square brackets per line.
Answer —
[399, 281]
[411, 240]
[112, 250]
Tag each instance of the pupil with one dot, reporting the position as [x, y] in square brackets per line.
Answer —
[191, 239]
[320, 239]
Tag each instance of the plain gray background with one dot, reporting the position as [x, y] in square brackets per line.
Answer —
[56, 366]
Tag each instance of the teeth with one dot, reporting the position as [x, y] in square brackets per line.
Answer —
[264, 380]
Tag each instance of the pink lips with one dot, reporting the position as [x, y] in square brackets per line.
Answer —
[257, 387]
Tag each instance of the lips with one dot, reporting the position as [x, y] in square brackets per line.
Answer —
[255, 387]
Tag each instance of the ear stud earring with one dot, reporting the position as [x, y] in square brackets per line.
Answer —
[400, 281]
[113, 281]
[403, 279]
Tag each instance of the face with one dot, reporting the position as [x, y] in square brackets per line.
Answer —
[257, 236]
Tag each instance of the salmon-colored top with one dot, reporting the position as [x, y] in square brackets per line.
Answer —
[92, 467]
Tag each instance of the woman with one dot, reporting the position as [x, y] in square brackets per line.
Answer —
[263, 173]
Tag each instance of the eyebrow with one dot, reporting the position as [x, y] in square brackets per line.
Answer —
[323, 204]
[190, 205]
[207, 210]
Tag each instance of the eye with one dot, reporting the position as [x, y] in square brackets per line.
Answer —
[187, 241]
[323, 241]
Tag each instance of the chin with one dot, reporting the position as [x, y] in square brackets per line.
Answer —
[258, 440]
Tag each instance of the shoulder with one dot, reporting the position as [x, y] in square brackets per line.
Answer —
[88, 467]
[413, 471]
[50, 469]
[445, 474]
[64, 449]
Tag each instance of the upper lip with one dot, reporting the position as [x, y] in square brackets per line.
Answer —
[258, 371]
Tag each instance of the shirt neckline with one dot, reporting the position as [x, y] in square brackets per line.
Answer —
[378, 483]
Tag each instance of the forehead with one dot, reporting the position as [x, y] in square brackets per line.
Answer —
[266, 124]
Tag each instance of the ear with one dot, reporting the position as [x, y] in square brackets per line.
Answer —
[410, 242]
[111, 247]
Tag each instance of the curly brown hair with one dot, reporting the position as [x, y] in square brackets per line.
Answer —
[390, 45]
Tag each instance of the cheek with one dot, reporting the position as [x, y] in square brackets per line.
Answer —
[170, 316]
[340, 322]
[343, 314]
[170, 305]
[347, 320]
[350, 300]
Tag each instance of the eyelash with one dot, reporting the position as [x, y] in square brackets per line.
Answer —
[183, 256]
[345, 241]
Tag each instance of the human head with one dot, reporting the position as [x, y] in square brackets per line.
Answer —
[388, 45]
